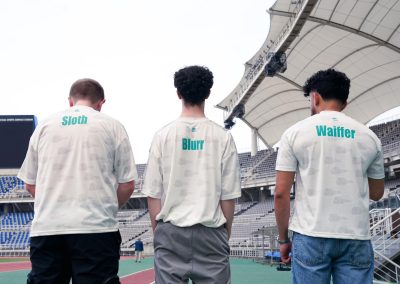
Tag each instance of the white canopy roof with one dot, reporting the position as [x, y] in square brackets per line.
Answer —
[358, 37]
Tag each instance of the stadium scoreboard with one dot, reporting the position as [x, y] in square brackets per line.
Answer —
[15, 132]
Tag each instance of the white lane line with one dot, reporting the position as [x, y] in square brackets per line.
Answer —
[136, 273]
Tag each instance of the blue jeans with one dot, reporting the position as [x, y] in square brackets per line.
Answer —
[316, 260]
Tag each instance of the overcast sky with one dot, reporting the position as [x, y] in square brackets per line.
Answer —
[133, 49]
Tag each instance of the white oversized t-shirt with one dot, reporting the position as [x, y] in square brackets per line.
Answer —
[193, 164]
[333, 155]
[76, 158]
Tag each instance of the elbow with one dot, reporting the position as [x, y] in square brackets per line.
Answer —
[131, 187]
[280, 195]
[31, 189]
[376, 196]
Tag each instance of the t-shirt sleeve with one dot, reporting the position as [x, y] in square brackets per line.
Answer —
[376, 169]
[29, 168]
[286, 160]
[153, 180]
[230, 171]
[124, 162]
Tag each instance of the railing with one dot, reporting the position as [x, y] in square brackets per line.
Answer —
[248, 252]
[248, 175]
[390, 271]
[392, 147]
[13, 252]
[385, 239]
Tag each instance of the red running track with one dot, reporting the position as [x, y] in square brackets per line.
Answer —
[141, 277]
[13, 266]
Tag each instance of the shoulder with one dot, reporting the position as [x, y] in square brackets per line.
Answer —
[220, 130]
[216, 125]
[107, 118]
[364, 128]
[167, 127]
[298, 126]
[163, 132]
[49, 121]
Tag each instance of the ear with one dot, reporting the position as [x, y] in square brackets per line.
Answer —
[179, 95]
[100, 104]
[317, 98]
[71, 102]
[344, 105]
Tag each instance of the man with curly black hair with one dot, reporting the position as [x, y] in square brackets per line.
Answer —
[338, 164]
[192, 179]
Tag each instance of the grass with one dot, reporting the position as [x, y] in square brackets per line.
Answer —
[13, 259]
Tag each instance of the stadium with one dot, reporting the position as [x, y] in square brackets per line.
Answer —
[360, 38]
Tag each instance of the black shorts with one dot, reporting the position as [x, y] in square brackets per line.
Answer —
[86, 258]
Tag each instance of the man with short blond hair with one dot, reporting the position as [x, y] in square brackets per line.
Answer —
[80, 168]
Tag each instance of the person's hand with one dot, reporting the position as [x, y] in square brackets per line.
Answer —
[285, 250]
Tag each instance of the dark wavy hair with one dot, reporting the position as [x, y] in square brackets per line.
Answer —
[194, 83]
[330, 84]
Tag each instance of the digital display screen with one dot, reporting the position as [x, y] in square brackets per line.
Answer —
[15, 132]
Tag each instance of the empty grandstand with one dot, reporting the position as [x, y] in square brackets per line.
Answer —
[254, 228]
[360, 38]
[254, 211]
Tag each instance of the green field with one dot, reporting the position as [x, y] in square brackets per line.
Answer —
[243, 271]
[13, 259]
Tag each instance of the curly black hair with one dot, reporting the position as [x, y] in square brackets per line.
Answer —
[330, 84]
[194, 83]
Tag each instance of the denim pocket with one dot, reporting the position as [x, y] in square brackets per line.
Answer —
[360, 253]
[308, 250]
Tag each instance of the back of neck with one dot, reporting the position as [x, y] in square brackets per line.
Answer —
[193, 111]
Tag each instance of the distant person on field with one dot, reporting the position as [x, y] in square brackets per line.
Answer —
[138, 250]
[80, 169]
[192, 180]
[338, 164]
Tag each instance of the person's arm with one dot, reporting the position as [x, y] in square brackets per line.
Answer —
[154, 205]
[124, 192]
[228, 209]
[376, 188]
[376, 175]
[284, 182]
[230, 182]
[31, 188]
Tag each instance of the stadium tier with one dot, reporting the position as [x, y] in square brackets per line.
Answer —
[14, 230]
[254, 227]
[10, 183]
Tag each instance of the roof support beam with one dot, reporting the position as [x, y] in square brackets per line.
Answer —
[258, 134]
[373, 87]
[357, 32]
[284, 40]
[369, 12]
[268, 98]
[354, 52]
[290, 111]
[341, 27]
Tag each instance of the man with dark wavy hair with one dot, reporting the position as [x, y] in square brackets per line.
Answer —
[192, 179]
[338, 164]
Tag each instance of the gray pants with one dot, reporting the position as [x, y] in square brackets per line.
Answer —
[198, 253]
